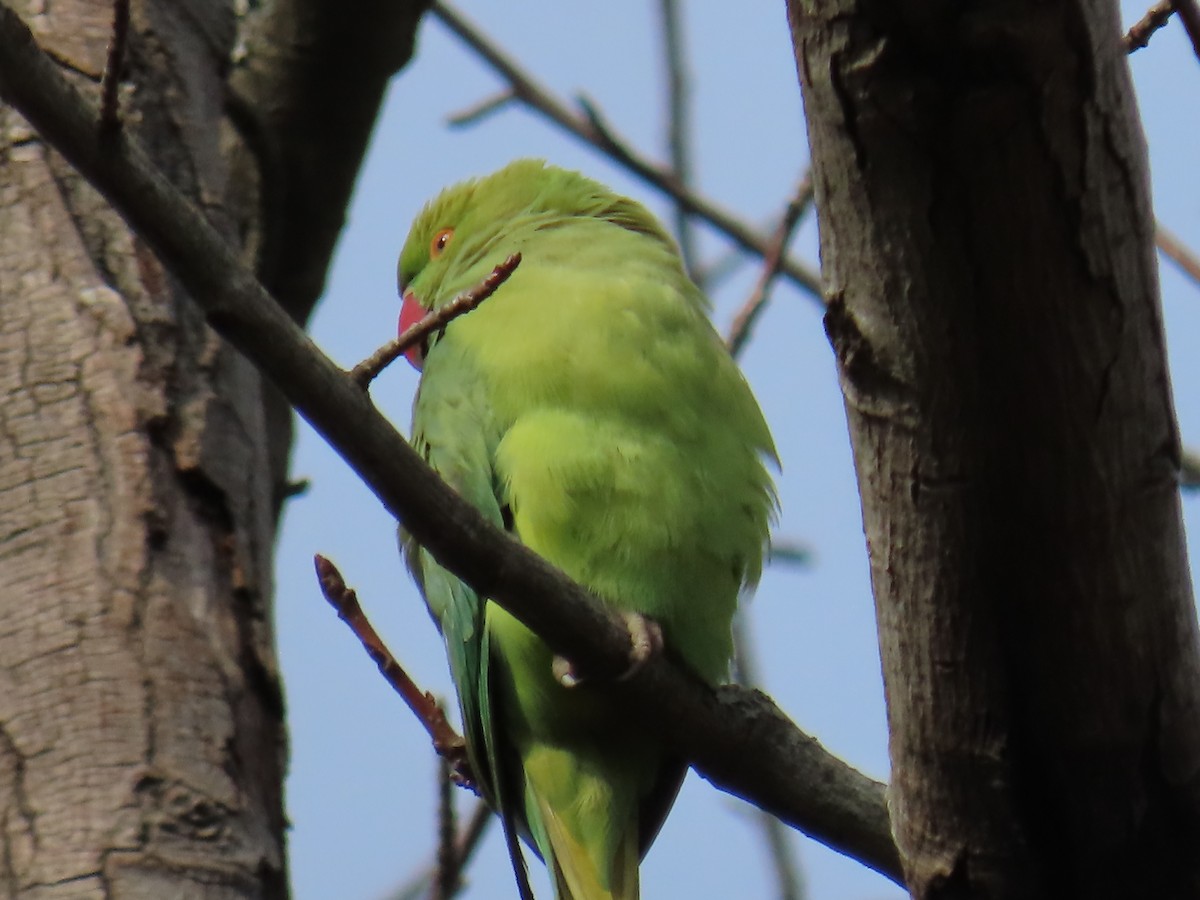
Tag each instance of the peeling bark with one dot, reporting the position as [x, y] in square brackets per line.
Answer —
[987, 241]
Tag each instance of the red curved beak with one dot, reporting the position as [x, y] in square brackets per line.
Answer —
[412, 312]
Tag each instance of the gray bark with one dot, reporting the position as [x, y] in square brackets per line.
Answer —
[987, 241]
[142, 748]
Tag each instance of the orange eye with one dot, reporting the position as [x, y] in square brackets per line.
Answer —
[438, 245]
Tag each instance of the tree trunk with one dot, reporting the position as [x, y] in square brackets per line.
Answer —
[142, 749]
[987, 241]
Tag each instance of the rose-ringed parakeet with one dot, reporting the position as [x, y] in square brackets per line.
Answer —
[589, 408]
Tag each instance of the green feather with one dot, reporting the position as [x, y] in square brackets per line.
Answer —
[590, 407]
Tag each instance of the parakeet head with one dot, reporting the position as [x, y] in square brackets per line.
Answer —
[472, 226]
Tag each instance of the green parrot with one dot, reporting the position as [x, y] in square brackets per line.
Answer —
[589, 408]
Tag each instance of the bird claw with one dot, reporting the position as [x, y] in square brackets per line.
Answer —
[646, 642]
[564, 671]
[647, 639]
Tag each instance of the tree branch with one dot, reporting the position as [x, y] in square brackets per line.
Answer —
[1174, 250]
[368, 370]
[1189, 15]
[468, 840]
[1155, 18]
[736, 738]
[446, 741]
[678, 122]
[1190, 475]
[744, 321]
[591, 130]
[448, 872]
[480, 110]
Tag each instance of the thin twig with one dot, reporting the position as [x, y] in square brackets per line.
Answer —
[481, 110]
[723, 265]
[1174, 250]
[1155, 18]
[476, 828]
[110, 117]
[678, 123]
[779, 845]
[1190, 472]
[368, 370]
[590, 129]
[446, 873]
[471, 836]
[446, 741]
[1189, 15]
[739, 332]
[791, 553]
[469, 839]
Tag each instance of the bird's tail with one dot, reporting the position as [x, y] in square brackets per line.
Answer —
[579, 875]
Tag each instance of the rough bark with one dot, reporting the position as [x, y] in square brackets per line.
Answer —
[141, 733]
[987, 242]
[140, 709]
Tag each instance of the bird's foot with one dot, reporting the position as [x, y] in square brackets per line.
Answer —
[646, 638]
[646, 642]
[564, 672]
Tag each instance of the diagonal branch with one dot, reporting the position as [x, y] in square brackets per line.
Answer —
[589, 128]
[1155, 18]
[744, 321]
[368, 370]
[1173, 249]
[446, 741]
[1190, 474]
[1189, 15]
[736, 738]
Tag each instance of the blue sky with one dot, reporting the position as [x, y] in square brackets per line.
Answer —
[361, 795]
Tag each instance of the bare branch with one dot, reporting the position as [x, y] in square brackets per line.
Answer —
[446, 741]
[481, 110]
[473, 833]
[591, 130]
[446, 875]
[368, 370]
[678, 123]
[744, 321]
[1174, 250]
[736, 738]
[110, 116]
[792, 553]
[468, 840]
[1190, 475]
[1155, 18]
[1189, 15]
